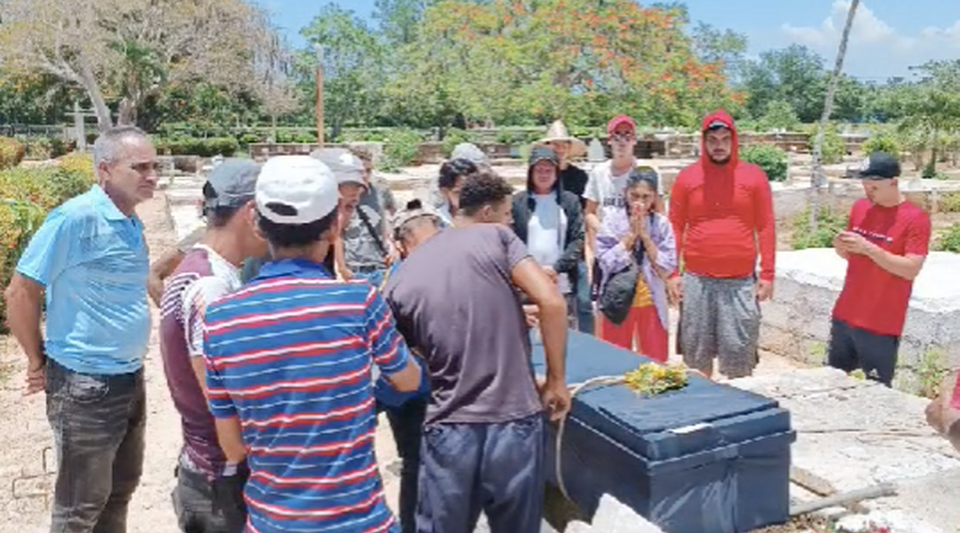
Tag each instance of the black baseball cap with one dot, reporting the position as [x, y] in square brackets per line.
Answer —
[879, 166]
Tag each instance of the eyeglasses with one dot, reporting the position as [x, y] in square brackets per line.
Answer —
[621, 137]
[146, 167]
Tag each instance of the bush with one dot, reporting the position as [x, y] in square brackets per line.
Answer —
[452, 138]
[949, 202]
[830, 223]
[400, 148]
[882, 142]
[834, 147]
[11, 152]
[949, 240]
[769, 157]
[225, 146]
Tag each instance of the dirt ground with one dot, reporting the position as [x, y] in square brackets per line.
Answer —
[27, 463]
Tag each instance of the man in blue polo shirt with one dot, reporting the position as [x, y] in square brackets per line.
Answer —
[89, 259]
[290, 360]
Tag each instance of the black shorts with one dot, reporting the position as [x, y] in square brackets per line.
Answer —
[854, 348]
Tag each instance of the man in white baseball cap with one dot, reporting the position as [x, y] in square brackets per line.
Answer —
[289, 359]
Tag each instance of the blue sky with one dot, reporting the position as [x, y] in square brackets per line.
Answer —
[888, 36]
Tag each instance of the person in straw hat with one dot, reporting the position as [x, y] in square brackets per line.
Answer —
[573, 179]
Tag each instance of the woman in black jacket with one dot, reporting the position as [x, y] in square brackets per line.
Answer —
[549, 221]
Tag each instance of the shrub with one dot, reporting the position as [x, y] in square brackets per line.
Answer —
[452, 138]
[11, 152]
[882, 142]
[834, 147]
[770, 158]
[949, 240]
[225, 146]
[400, 148]
[949, 202]
[830, 223]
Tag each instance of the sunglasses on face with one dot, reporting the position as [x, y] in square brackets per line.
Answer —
[621, 137]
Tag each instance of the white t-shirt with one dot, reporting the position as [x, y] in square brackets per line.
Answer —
[224, 280]
[546, 234]
[605, 187]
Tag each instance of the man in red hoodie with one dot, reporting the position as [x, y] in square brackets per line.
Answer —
[722, 212]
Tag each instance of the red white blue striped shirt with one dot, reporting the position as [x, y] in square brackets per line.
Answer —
[291, 356]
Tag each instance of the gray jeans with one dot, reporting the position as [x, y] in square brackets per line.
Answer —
[720, 318]
[98, 424]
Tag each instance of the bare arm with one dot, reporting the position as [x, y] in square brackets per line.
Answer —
[906, 267]
[840, 247]
[160, 270]
[24, 298]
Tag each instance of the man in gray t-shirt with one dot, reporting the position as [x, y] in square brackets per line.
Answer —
[455, 300]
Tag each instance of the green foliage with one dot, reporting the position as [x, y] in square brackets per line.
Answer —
[930, 374]
[949, 202]
[11, 152]
[225, 146]
[834, 147]
[44, 148]
[768, 157]
[830, 223]
[882, 142]
[26, 195]
[400, 148]
[452, 138]
[779, 114]
[949, 240]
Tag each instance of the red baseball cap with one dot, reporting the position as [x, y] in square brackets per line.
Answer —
[618, 120]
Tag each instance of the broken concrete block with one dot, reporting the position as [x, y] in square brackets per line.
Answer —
[796, 323]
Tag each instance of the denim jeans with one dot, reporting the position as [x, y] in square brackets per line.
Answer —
[406, 423]
[98, 424]
[494, 468]
[585, 317]
[203, 505]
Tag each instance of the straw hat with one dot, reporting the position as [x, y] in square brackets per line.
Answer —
[558, 133]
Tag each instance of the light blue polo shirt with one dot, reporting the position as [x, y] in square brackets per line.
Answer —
[93, 262]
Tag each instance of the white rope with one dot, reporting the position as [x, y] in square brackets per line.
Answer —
[600, 381]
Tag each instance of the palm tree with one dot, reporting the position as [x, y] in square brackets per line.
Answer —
[818, 179]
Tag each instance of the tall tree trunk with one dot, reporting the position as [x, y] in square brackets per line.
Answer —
[89, 82]
[817, 180]
[273, 126]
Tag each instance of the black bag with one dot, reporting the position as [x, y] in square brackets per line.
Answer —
[618, 294]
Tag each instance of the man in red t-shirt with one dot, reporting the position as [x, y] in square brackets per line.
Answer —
[885, 245]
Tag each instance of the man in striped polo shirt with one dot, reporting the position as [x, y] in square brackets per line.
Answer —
[291, 359]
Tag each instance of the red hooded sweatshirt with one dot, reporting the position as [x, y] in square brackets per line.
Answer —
[721, 214]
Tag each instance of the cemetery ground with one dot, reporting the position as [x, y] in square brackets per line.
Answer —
[851, 434]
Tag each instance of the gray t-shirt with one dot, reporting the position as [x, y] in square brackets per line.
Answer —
[359, 243]
[453, 300]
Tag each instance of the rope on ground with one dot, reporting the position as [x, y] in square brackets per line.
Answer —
[600, 381]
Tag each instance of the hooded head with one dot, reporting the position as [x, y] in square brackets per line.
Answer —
[718, 146]
[543, 174]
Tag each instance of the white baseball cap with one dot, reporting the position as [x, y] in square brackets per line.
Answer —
[296, 189]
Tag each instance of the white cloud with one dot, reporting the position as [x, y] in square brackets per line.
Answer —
[870, 31]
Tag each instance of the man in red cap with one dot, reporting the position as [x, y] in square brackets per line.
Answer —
[722, 212]
[607, 181]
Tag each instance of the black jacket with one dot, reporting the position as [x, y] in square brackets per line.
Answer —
[523, 206]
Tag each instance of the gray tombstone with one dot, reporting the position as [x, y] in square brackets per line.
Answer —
[595, 152]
